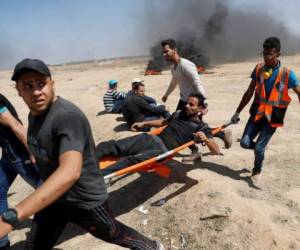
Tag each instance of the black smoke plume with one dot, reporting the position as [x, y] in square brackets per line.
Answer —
[210, 31]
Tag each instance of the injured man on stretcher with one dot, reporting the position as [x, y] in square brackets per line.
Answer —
[182, 127]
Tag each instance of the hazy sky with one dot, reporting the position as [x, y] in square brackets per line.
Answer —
[286, 11]
[58, 31]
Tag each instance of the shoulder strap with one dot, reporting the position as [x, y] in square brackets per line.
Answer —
[285, 75]
[258, 70]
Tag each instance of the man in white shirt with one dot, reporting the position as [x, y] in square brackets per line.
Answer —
[185, 75]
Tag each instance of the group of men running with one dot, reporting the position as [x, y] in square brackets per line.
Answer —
[72, 188]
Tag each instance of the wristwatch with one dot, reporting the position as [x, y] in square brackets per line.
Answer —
[11, 217]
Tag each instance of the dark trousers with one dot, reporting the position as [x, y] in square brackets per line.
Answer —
[264, 131]
[49, 223]
[132, 150]
[117, 108]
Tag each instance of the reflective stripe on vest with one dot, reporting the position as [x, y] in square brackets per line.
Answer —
[279, 96]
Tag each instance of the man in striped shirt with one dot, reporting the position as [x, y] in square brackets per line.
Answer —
[113, 99]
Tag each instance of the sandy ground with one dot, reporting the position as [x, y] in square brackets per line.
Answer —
[208, 205]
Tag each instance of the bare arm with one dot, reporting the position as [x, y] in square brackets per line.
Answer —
[213, 146]
[170, 89]
[8, 120]
[246, 97]
[62, 179]
[297, 91]
[210, 142]
[155, 123]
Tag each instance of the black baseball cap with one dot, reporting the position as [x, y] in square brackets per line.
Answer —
[30, 64]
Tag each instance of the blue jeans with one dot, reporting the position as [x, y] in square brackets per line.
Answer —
[117, 108]
[150, 100]
[264, 131]
[8, 173]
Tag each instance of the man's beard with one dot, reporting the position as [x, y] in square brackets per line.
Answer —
[192, 115]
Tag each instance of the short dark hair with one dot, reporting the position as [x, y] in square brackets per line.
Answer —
[200, 98]
[136, 85]
[272, 42]
[170, 42]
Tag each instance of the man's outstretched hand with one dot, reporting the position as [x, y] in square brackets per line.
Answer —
[136, 126]
[235, 118]
[200, 137]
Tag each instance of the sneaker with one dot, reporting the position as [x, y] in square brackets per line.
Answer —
[227, 138]
[193, 157]
[159, 246]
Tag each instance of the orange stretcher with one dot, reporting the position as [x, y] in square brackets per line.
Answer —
[155, 164]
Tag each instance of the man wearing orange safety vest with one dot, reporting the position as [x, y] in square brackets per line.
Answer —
[269, 85]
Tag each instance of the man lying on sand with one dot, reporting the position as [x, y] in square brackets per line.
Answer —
[183, 126]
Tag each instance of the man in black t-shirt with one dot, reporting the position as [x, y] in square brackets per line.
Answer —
[183, 126]
[136, 109]
[60, 138]
[15, 157]
[135, 82]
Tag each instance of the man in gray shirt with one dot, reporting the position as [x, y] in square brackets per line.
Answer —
[185, 75]
[73, 189]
